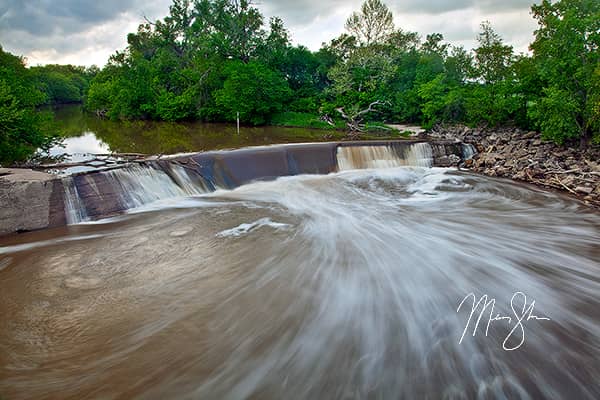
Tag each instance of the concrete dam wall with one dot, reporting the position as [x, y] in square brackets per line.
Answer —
[35, 200]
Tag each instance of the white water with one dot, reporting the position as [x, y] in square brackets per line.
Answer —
[354, 298]
[74, 208]
[468, 151]
[136, 186]
[140, 186]
[367, 157]
[245, 228]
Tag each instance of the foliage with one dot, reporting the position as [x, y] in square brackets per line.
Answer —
[22, 129]
[63, 84]
[373, 24]
[301, 120]
[567, 53]
[252, 90]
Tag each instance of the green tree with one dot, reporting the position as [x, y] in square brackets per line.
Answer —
[567, 52]
[373, 24]
[491, 99]
[23, 130]
[493, 58]
[253, 90]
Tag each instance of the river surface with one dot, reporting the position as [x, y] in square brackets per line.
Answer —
[344, 286]
[86, 134]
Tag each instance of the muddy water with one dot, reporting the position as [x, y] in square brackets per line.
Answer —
[342, 286]
[85, 133]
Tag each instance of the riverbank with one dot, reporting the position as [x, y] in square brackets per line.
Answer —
[339, 129]
[526, 157]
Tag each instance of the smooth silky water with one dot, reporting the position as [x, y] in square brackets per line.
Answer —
[344, 286]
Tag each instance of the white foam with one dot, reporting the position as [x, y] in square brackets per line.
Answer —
[246, 228]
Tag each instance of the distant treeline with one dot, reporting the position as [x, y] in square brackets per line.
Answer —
[212, 59]
[63, 84]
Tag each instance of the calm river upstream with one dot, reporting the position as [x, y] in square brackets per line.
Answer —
[86, 133]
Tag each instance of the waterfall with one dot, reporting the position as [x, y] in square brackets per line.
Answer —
[105, 193]
[468, 151]
[139, 185]
[384, 156]
[74, 207]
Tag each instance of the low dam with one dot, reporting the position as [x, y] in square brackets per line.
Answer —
[49, 202]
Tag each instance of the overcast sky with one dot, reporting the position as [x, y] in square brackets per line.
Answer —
[86, 32]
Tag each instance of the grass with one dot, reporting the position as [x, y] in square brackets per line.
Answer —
[302, 120]
[381, 129]
[373, 130]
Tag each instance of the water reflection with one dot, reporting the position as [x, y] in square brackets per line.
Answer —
[85, 133]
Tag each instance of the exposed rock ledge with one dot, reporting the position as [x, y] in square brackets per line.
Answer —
[524, 156]
[29, 200]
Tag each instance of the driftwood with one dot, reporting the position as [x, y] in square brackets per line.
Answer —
[326, 118]
[354, 121]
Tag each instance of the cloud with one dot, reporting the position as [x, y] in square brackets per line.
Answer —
[313, 22]
[72, 31]
[43, 17]
[88, 31]
[443, 6]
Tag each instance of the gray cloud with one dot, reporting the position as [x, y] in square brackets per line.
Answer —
[67, 16]
[441, 6]
[88, 31]
[79, 31]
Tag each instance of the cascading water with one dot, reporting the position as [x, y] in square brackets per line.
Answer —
[74, 208]
[388, 156]
[135, 186]
[141, 185]
[468, 151]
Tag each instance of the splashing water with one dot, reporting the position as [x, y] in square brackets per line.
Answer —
[341, 286]
[362, 157]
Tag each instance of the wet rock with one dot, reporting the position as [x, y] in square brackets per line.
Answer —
[525, 156]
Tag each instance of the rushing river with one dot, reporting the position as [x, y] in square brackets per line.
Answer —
[344, 286]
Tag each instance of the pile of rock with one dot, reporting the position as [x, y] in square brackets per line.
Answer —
[524, 156]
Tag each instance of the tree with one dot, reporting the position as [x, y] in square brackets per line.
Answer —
[434, 45]
[566, 50]
[492, 57]
[490, 98]
[23, 130]
[253, 90]
[373, 24]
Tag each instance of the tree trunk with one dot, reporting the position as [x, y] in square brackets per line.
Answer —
[584, 140]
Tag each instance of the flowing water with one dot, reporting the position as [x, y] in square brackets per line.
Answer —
[343, 286]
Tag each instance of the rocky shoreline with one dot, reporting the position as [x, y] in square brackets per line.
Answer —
[526, 157]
